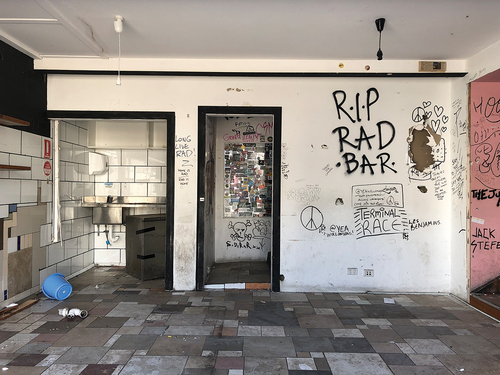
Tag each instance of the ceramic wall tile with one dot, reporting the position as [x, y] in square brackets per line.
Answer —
[70, 248]
[78, 227]
[24, 161]
[71, 172]
[11, 191]
[107, 257]
[10, 140]
[71, 133]
[114, 156]
[83, 137]
[46, 272]
[134, 157]
[29, 191]
[55, 253]
[102, 177]
[37, 169]
[88, 258]
[121, 174]
[45, 234]
[13, 244]
[83, 244]
[66, 151]
[4, 159]
[107, 188]
[4, 211]
[31, 144]
[64, 267]
[46, 192]
[157, 190]
[134, 189]
[77, 264]
[147, 174]
[157, 157]
[163, 174]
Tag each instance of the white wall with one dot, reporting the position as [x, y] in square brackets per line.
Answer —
[459, 186]
[417, 260]
[484, 62]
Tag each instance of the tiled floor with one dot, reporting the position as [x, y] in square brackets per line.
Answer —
[239, 272]
[135, 327]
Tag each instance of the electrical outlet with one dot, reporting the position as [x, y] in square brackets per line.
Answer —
[369, 273]
[352, 271]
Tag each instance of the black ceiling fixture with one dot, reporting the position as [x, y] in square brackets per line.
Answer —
[380, 22]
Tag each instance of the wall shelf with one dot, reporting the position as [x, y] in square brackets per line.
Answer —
[14, 167]
[11, 121]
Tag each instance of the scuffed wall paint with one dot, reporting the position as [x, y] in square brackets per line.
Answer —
[312, 260]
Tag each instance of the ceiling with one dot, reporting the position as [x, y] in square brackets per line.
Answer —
[251, 29]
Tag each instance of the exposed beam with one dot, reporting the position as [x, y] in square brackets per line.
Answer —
[25, 21]
[20, 46]
[90, 42]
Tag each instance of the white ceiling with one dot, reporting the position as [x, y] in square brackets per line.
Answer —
[251, 29]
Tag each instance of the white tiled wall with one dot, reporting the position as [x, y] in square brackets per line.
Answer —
[132, 172]
[75, 252]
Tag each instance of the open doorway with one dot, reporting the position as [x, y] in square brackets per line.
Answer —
[238, 196]
[485, 193]
[137, 182]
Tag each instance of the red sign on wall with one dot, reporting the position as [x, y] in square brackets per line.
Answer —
[47, 168]
[46, 148]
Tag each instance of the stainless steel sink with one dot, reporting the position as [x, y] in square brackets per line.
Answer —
[108, 210]
[123, 201]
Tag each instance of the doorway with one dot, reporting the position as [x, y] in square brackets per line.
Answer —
[239, 168]
[139, 178]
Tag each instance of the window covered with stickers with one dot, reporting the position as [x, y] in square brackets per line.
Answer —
[248, 179]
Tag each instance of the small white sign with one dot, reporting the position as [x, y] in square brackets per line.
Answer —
[477, 220]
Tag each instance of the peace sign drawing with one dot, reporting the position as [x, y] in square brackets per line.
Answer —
[418, 114]
[311, 218]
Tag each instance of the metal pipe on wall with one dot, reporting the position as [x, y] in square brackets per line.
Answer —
[56, 204]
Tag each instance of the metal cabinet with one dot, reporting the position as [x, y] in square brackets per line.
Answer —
[146, 246]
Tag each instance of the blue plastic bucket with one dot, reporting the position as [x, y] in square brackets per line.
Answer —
[55, 286]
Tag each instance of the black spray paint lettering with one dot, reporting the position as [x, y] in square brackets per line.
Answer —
[340, 97]
[378, 221]
[417, 224]
[483, 240]
[350, 159]
[482, 194]
[489, 109]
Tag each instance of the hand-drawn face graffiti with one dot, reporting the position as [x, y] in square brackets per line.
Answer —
[261, 229]
[240, 230]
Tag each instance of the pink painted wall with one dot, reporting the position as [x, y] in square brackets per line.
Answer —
[485, 183]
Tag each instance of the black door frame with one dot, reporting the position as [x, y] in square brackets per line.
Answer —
[203, 112]
[138, 115]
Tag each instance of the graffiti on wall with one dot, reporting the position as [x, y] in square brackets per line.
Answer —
[485, 142]
[307, 194]
[458, 166]
[354, 149]
[426, 146]
[248, 234]
[184, 151]
[484, 239]
[313, 220]
[244, 131]
[285, 167]
[379, 210]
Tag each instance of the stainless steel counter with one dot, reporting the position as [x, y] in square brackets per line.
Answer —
[120, 202]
